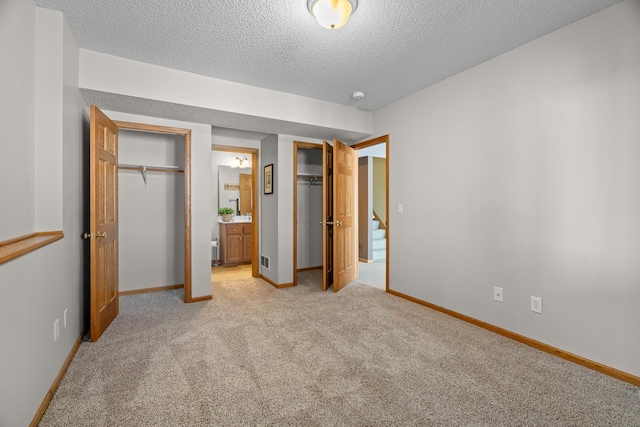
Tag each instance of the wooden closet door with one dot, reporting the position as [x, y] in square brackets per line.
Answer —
[103, 222]
[246, 193]
[327, 215]
[345, 225]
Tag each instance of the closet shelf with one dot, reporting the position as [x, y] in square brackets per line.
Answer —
[144, 169]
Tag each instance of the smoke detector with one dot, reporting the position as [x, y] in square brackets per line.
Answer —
[358, 95]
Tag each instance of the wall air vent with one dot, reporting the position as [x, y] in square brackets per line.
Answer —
[265, 261]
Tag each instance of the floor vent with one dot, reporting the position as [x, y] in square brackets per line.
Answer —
[265, 261]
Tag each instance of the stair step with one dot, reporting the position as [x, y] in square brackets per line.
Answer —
[379, 254]
[378, 244]
[379, 233]
[376, 224]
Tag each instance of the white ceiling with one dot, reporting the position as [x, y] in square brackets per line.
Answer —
[388, 49]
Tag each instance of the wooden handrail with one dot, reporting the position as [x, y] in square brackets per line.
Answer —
[383, 226]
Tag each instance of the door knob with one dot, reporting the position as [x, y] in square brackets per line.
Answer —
[95, 235]
[338, 223]
[326, 222]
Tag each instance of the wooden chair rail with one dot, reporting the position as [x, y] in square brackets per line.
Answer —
[13, 248]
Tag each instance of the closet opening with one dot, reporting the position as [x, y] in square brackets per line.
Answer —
[307, 211]
[153, 204]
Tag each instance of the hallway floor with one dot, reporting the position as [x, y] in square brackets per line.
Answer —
[372, 274]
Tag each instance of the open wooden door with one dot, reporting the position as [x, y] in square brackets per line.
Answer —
[345, 224]
[245, 193]
[327, 215]
[339, 212]
[103, 222]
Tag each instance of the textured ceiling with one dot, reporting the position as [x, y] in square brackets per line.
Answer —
[388, 49]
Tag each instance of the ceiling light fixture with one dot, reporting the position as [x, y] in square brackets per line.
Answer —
[240, 163]
[332, 14]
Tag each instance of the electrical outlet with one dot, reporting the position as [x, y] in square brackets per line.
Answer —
[536, 304]
[64, 322]
[56, 329]
[498, 293]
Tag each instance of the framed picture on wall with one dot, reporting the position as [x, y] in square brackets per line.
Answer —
[268, 179]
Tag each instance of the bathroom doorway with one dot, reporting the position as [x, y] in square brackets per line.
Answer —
[234, 240]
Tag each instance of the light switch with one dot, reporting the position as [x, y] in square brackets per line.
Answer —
[400, 208]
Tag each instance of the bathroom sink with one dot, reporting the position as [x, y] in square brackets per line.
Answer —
[241, 218]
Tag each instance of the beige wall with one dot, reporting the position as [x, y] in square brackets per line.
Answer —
[529, 170]
[38, 287]
[17, 117]
[380, 187]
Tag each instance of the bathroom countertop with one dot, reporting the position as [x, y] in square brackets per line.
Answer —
[233, 222]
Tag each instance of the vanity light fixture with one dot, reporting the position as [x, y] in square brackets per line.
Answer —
[332, 14]
[240, 163]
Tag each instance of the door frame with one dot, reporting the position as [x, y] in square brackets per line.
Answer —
[371, 142]
[384, 139]
[186, 134]
[255, 219]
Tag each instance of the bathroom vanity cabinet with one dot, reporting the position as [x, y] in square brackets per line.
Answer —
[235, 243]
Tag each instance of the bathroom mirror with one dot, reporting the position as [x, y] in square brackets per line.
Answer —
[235, 189]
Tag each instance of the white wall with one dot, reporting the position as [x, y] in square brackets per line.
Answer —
[380, 187]
[151, 216]
[49, 73]
[201, 208]
[36, 288]
[365, 207]
[17, 117]
[269, 236]
[283, 180]
[529, 180]
[111, 74]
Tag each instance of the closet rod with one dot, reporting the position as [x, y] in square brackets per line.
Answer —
[313, 179]
[304, 177]
[144, 169]
[175, 169]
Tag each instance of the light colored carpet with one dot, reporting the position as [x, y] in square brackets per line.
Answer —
[255, 355]
[373, 273]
